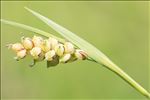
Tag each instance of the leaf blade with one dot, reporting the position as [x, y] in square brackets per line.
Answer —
[29, 28]
[82, 44]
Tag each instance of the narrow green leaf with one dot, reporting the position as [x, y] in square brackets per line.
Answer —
[32, 29]
[92, 51]
[35, 30]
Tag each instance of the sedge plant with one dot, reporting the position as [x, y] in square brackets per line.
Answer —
[56, 50]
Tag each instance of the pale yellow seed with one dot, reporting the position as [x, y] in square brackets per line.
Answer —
[46, 46]
[65, 58]
[27, 43]
[53, 42]
[80, 54]
[49, 55]
[17, 47]
[59, 49]
[37, 41]
[69, 47]
[21, 54]
[35, 52]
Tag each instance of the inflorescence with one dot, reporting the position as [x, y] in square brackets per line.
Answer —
[51, 50]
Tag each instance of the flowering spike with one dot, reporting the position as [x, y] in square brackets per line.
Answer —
[50, 49]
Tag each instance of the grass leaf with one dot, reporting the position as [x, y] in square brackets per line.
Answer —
[35, 30]
[32, 29]
[92, 51]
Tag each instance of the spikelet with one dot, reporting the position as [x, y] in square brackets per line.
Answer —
[37, 41]
[80, 54]
[65, 58]
[35, 52]
[59, 49]
[53, 42]
[27, 43]
[17, 47]
[49, 56]
[69, 47]
[46, 45]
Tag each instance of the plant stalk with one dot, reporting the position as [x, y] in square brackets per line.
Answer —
[111, 66]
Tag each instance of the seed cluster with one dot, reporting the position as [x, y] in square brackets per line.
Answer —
[49, 49]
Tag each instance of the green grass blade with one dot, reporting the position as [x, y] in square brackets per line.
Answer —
[92, 51]
[32, 29]
[35, 30]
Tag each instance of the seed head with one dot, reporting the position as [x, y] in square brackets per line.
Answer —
[49, 55]
[69, 47]
[50, 49]
[27, 43]
[59, 49]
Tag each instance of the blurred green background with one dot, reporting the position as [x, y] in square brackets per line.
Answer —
[119, 29]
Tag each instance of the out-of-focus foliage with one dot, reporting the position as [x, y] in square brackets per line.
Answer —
[119, 29]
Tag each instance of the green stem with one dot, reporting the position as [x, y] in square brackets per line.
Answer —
[111, 66]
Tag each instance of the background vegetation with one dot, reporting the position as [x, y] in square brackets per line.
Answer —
[119, 29]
